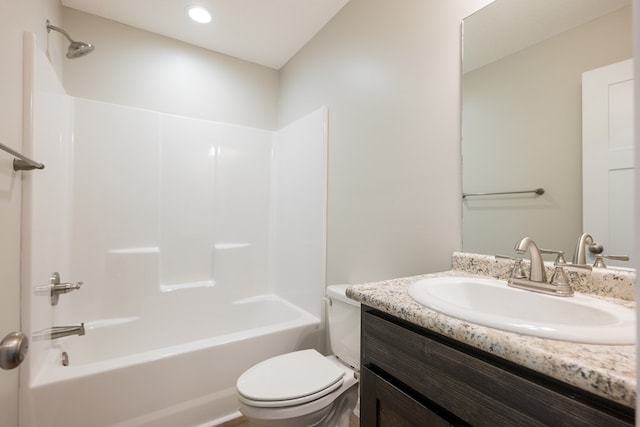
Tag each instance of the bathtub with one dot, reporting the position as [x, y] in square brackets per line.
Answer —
[165, 370]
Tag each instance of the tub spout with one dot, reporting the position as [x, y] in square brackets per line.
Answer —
[56, 332]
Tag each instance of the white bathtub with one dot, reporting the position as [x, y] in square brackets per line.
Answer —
[165, 369]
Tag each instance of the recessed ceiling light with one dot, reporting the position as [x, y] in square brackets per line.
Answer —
[199, 14]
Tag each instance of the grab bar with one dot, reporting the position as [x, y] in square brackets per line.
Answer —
[537, 191]
[22, 163]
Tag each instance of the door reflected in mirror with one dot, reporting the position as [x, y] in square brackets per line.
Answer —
[523, 62]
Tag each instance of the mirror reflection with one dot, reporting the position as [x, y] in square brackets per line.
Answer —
[522, 117]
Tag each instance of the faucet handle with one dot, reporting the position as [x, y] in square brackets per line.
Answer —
[600, 259]
[55, 288]
[596, 248]
[517, 272]
[561, 281]
[559, 258]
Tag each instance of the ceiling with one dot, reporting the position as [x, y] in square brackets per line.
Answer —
[507, 26]
[266, 32]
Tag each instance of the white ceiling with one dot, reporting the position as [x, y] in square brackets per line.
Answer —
[507, 26]
[266, 32]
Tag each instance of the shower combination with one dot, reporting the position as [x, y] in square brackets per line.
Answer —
[76, 49]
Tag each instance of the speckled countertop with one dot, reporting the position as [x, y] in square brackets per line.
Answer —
[607, 371]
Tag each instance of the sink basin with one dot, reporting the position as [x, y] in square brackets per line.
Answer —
[491, 302]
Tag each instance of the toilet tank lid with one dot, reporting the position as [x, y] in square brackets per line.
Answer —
[339, 292]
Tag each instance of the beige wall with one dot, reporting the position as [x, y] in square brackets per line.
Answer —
[389, 73]
[15, 17]
[140, 69]
[522, 118]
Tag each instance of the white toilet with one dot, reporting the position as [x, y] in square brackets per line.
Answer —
[305, 388]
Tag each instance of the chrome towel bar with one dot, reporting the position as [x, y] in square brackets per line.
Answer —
[537, 191]
[22, 163]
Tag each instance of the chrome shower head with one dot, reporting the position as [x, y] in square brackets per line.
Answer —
[76, 49]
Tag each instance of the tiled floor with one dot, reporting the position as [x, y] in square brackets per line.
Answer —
[242, 422]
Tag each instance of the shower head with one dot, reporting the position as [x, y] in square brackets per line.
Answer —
[76, 49]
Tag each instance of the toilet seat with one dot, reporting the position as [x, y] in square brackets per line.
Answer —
[289, 379]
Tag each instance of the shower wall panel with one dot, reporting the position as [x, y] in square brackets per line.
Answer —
[115, 209]
[163, 203]
[46, 200]
[299, 211]
[215, 188]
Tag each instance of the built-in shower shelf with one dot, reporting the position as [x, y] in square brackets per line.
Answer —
[136, 251]
[224, 246]
[188, 285]
[110, 322]
[155, 249]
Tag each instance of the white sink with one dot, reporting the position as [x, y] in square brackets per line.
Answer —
[493, 303]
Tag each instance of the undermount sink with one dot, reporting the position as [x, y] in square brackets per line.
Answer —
[491, 302]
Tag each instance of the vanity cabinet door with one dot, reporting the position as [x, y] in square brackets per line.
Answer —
[474, 386]
[382, 404]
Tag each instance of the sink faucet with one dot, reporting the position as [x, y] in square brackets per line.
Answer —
[56, 332]
[537, 271]
[580, 257]
[559, 285]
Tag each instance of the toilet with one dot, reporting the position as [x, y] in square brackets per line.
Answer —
[305, 388]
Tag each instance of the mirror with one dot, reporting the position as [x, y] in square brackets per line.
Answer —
[522, 116]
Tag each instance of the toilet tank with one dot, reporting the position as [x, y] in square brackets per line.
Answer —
[344, 325]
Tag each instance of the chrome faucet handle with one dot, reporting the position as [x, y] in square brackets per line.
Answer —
[561, 280]
[559, 277]
[595, 248]
[600, 259]
[65, 288]
[517, 271]
[559, 255]
[574, 266]
[55, 288]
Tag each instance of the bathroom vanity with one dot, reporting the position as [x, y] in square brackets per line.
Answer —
[420, 367]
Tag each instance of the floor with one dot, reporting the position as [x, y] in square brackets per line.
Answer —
[242, 422]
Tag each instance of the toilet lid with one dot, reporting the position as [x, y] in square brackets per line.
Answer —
[291, 378]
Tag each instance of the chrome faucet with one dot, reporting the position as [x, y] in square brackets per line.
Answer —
[580, 255]
[537, 281]
[585, 242]
[56, 332]
[537, 271]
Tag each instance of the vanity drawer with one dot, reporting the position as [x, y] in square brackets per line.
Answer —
[477, 387]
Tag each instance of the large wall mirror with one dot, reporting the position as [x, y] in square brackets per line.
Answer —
[523, 62]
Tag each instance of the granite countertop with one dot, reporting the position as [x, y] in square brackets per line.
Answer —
[607, 371]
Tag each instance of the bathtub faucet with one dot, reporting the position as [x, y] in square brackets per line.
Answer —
[56, 332]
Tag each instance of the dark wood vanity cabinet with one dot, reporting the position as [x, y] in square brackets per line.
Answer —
[414, 377]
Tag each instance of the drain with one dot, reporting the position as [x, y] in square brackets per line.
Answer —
[64, 358]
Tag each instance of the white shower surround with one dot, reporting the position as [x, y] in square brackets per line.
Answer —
[171, 222]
